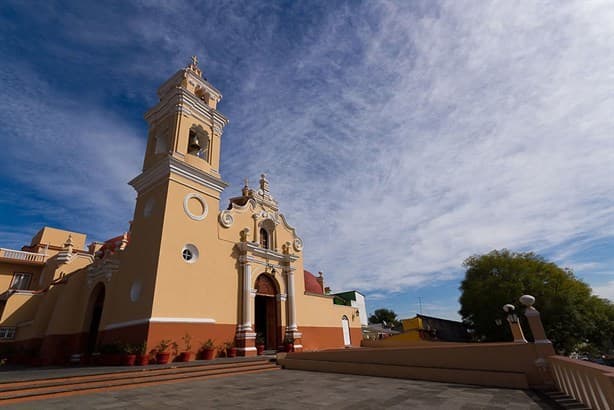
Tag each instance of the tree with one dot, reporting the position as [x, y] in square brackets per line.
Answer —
[384, 316]
[570, 314]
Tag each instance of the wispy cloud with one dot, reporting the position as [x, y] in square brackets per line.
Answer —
[606, 290]
[399, 138]
[70, 161]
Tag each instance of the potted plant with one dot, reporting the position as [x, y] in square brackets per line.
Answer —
[142, 358]
[186, 355]
[162, 354]
[208, 349]
[289, 343]
[231, 350]
[259, 343]
[221, 350]
[128, 357]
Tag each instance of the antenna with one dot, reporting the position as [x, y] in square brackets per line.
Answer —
[420, 300]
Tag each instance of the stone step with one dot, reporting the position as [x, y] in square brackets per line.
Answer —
[38, 389]
[564, 401]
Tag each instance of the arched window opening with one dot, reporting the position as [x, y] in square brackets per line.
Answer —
[264, 238]
[267, 234]
[198, 143]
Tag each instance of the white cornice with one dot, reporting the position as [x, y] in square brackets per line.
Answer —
[169, 165]
[184, 101]
[268, 254]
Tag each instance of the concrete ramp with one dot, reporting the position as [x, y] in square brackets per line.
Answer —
[510, 365]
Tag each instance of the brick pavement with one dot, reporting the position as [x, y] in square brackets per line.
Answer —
[292, 389]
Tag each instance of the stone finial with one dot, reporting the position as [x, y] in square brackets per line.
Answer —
[244, 234]
[193, 66]
[285, 248]
[245, 190]
[124, 242]
[65, 255]
[527, 300]
[320, 279]
[68, 245]
[264, 184]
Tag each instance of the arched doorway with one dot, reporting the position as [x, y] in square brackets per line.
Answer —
[345, 325]
[266, 312]
[95, 313]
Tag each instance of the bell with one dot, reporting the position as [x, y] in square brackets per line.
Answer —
[194, 144]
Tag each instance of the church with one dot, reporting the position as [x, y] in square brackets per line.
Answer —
[184, 266]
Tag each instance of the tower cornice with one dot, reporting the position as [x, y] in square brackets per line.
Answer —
[171, 165]
[182, 100]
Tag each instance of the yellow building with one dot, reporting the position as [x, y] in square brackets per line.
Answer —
[184, 266]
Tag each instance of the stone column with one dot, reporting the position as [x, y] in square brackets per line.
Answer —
[535, 322]
[291, 306]
[256, 230]
[514, 323]
[246, 337]
[247, 296]
[292, 328]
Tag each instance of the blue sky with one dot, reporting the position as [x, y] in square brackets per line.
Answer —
[399, 137]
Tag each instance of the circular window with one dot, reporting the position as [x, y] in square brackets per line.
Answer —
[189, 253]
[135, 291]
[195, 206]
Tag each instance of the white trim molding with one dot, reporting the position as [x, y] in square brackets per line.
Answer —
[159, 320]
[171, 165]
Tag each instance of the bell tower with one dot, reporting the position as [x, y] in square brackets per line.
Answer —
[174, 228]
[185, 123]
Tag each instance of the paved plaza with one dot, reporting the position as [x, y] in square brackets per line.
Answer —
[293, 389]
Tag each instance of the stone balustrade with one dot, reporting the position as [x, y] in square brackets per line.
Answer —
[590, 383]
[22, 256]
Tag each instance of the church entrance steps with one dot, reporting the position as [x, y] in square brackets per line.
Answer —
[37, 388]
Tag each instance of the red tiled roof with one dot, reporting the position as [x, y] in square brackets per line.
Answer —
[311, 283]
[112, 244]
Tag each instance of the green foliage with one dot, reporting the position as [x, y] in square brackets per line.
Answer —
[384, 315]
[187, 342]
[141, 348]
[208, 344]
[570, 314]
[163, 345]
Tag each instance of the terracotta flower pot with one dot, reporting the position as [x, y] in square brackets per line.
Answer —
[208, 354]
[142, 360]
[289, 347]
[232, 352]
[163, 357]
[128, 359]
[260, 349]
[185, 357]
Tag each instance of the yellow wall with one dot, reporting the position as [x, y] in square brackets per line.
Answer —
[57, 237]
[7, 270]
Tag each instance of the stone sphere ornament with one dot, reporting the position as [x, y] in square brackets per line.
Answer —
[527, 300]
